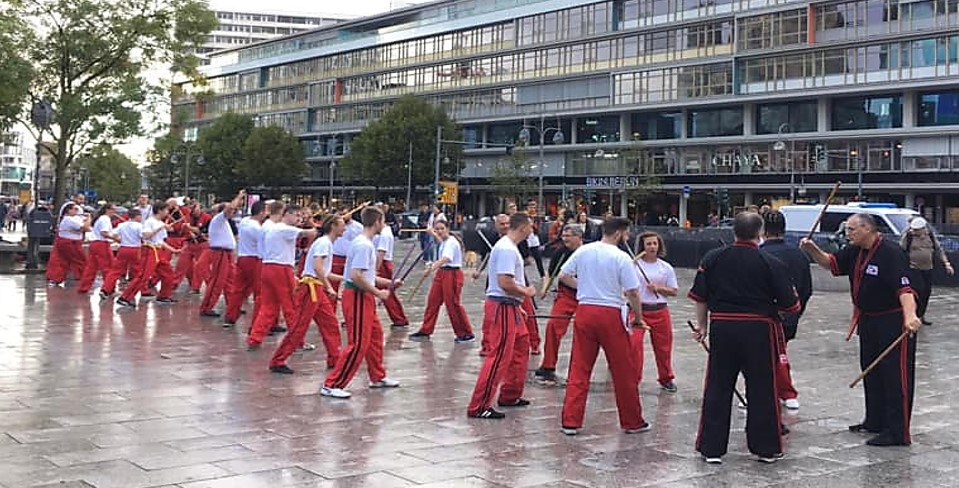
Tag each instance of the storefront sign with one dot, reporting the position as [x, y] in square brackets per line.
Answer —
[613, 182]
[737, 159]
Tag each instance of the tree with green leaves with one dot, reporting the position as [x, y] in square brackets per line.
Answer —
[222, 146]
[379, 154]
[16, 72]
[114, 176]
[90, 59]
[164, 172]
[272, 157]
[511, 177]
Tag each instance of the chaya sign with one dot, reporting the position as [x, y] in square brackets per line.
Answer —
[612, 182]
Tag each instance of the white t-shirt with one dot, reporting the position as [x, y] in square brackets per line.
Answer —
[145, 211]
[321, 248]
[63, 209]
[533, 240]
[280, 244]
[261, 244]
[70, 228]
[603, 272]
[129, 232]
[342, 245]
[152, 224]
[659, 273]
[504, 259]
[435, 217]
[362, 255]
[384, 242]
[221, 235]
[103, 224]
[250, 234]
[450, 248]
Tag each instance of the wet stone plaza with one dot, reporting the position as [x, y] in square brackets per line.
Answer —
[95, 396]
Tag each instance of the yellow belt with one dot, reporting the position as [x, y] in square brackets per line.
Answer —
[156, 254]
[310, 282]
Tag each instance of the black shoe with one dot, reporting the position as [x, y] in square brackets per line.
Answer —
[883, 440]
[770, 459]
[926, 322]
[399, 326]
[520, 402]
[104, 295]
[253, 347]
[209, 313]
[194, 292]
[273, 330]
[783, 430]
[228, 324]
[465, 339]
[489, 413]
[669, 387]
[419, 337]
[545, 374]
[124, 303]
[863, 429]
[282, 369]
[166, 300]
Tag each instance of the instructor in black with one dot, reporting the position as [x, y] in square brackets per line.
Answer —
[743, 327]
[885, 306]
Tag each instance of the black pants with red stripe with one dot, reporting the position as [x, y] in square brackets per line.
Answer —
[748, 347]
[890, 387]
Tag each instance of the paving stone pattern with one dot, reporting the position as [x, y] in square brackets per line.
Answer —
[95, 396]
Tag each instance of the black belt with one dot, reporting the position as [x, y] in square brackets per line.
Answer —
[505, 300]
[222, 249]
[449, 268]
[652, 307]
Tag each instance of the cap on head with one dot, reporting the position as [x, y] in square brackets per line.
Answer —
[917, 223]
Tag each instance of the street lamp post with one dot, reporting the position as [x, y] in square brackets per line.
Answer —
[781, 146]
[409, 177]
[332, 169]
[854, 153]
[524, 136]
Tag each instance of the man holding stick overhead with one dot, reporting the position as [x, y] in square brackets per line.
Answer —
[884, 311]
[743, 324]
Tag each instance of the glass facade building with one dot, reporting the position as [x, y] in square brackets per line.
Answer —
[769, 98]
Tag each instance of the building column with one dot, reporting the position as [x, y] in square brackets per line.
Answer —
[749, 119]
[481, 205]
[747, 198]
[623, 207]
[910, 200]
[822, 115]
[940, 210]
[572, 130]
[484, 135]
[625, 128]
[683, 209]
[683, 127]
[908, 110]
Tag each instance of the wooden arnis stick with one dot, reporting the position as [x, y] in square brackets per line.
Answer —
[879, 358]
[822, 212]
[739, 396]
[417, 287]
[358, 208]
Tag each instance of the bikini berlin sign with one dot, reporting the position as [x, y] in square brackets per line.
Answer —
[612, 182]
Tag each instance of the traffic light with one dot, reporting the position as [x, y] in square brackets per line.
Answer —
[724, 196]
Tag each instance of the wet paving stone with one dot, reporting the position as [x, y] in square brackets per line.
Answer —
[95, 396]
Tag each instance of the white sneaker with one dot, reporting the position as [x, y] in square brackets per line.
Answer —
[792, 403]
[334, 392]
[713, 460]
[385, 383]
[569, 430]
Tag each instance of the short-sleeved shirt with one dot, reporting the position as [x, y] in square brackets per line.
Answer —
[151, 225]
[221, 235]
[741, 279]
[877, 276]
[103, 224]
[504, 260]
[362, 255]
[450, 249]
[659, 273]
[342, 245]
[71, 228]
[248, 240]
[321, 248]
[261, 245]
[280, 244]
[603, 273]
[129, 232]
[384, 242]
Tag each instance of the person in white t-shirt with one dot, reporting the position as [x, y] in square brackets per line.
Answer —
[365, 333]
[246, 273]
[277, 277]
[222, 244]
[384, 243]
[602, 273]
[144, 206]
[68, 246]
[446, 288]
[100, 254]
[153, 261]
[506, 362]
[127, 262]
[342, 245]
[314, 298]
[658, 282]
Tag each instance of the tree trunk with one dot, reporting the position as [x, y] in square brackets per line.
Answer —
[59, 183]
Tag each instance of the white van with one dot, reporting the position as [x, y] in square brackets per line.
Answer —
[890, 218]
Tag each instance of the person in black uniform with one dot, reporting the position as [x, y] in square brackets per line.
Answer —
[797, 264]
[743, 324]
[885, 306]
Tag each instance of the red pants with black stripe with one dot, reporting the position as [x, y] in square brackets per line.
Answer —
[276, 296]
[445, 290]
[221, 269]
[564, 306]
[320, 310]
[127, 263]
[244, 282]
[505, 364]
[661, 335]
[99, 260]
[189, 266]
[67, 257]
[392, 304]
[599, 327]
[364, 340]
[153, 263]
